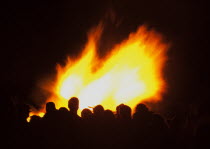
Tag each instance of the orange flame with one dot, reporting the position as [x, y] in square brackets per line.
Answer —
[129, 74]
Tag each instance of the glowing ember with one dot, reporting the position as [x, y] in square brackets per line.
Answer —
[129, 74]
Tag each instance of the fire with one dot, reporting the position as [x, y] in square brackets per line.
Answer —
[129, 74]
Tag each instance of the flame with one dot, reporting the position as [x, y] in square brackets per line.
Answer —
[129, 74]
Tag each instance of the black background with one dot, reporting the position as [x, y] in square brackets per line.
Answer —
[39, 34]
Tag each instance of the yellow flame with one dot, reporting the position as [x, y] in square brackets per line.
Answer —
[129, 74]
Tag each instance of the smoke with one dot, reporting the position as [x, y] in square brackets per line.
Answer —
[41, 91]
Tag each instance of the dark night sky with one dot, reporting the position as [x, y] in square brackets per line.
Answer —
[40, 34]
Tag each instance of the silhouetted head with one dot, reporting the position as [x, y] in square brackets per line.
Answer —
[125, 112]
[50, 107]
[73, 104]
[98, 110]
[35, 119]
[141, 108]
[118, 110]
[109, 115]
[63, 109]
[86, 113]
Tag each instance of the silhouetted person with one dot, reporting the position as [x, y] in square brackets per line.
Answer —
[51, 111]
[109, 129]
[109, 116]
[63, 115]
[142, 115]
[36, 131]
[75, 123]
[98, 112]
[98, 122]
[124, 136]
[118, 111]
[63, 109]
[86, 114]
[50, 125]
[88, 128]
[142, 122]
[73, 105]
[35, 120]
[64, 126]
[50, 107]
[125, 113]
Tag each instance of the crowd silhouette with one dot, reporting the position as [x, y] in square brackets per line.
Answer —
[100, 128]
